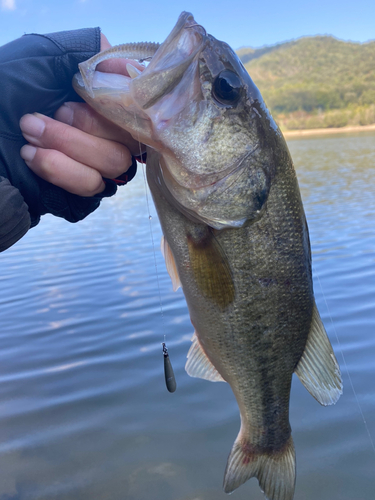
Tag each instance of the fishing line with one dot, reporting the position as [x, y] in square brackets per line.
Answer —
[170, 380]
[345, 364]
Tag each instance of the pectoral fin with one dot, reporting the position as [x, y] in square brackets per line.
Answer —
[170, 263]
[198, 364]
[318, 369]
[211, 270]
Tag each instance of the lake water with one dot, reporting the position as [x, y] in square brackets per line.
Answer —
[84, 413]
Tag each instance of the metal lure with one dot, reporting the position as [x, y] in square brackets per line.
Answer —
[170, 380]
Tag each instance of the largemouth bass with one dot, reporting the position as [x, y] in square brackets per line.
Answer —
[235, 236]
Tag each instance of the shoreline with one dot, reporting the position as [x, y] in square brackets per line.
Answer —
[290, 134]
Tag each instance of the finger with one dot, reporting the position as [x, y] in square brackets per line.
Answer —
[117, 65]
[57, 168]
[104, 43]
[110, 158]
[81, 116]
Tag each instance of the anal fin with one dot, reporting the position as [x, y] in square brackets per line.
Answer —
[198, 365]
[170, 263]
[318, 369]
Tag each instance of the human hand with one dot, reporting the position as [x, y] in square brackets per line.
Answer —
[79, 147]
[36, 75]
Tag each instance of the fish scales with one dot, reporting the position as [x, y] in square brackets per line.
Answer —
[265, 317]
[235, 237]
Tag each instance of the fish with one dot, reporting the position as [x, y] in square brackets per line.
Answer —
[235, 236]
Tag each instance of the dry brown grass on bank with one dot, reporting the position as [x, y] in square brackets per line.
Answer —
[354, 116]
[290, 134]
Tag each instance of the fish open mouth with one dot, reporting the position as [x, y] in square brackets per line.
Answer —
[169, 58]
[145, 102]
[208, 149]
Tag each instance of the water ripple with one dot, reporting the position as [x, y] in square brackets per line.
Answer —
[84, 412]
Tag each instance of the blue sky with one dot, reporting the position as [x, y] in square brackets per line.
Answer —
[237, 22]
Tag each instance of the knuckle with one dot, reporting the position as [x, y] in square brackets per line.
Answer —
[59, 136]
[119, 160]
[46, 164]
[85, 119]
[89, 124]
[93, 184]
[50, 163]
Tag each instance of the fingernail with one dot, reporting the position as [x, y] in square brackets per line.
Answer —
[27, 152]
[65, 114]
[32, 126]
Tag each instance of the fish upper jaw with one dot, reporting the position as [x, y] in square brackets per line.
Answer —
[145, 104]
[167, 68]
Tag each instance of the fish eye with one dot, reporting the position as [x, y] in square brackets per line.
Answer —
[226, 87]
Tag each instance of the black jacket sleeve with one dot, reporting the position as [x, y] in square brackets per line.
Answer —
[15, 217]
[36, 74]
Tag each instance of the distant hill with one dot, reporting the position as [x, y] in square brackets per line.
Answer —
[316, 81]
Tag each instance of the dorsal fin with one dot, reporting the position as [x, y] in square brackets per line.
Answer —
[170, 263]
[198, 364]
[318, 369]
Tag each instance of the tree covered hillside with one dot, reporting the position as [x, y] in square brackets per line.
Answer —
[315, 81]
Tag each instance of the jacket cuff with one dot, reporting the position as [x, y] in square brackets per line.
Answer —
[14, 215]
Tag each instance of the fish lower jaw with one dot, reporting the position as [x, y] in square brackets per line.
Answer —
[99, 83]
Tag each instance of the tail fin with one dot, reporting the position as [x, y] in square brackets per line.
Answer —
[276, 472]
